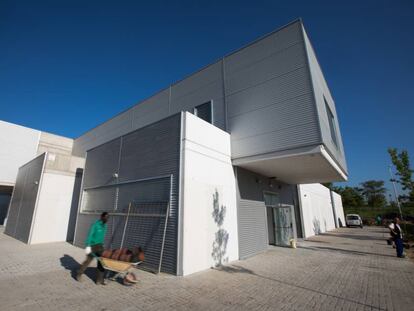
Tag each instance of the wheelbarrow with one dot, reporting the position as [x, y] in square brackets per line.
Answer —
[120, 268]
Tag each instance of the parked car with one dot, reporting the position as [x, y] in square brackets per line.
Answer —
[353, 220]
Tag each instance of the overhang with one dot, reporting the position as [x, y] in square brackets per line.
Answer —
[300, 166]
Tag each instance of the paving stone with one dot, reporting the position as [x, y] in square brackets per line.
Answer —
[347, 269]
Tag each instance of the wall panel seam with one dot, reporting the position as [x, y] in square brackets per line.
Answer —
[265, 81]
[266, 57]
[273, 131]
[270, 105]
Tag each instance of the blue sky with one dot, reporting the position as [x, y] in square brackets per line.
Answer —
[66, 66]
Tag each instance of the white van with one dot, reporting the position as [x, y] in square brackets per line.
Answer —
[353, 220]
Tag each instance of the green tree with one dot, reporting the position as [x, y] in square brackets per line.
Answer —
[351, 197]
[332, 187]
[328, 185]
[401, 162]
[374, 192]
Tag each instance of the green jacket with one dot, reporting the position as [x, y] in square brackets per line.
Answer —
[96, 233]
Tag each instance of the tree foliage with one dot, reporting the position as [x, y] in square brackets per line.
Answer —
[328, 185]
[334, 188]
[374, 192]
[351, 196]
[401, 161]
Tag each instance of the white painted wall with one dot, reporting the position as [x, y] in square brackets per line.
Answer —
[207, 171]
[53, 209]
[18, 145]
[337, 201]
[316, 209]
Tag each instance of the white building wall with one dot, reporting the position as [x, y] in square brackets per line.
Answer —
[18, 145]
[316, 209]
[339, 209]
[50, 223]
[208, 185]
[54, 144]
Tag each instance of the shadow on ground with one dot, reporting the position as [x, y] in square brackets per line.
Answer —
[235, 269]
[359, 237]
[342, 251]
[69, 263]
[347, 236]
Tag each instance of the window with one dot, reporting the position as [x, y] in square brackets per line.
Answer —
[332, 126]
[351, 217]
[271, 199]
[205, 111]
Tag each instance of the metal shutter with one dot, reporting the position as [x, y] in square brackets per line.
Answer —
[15, 203]
[101, 164]
[147, 163]
[24, 199]
[252, 228]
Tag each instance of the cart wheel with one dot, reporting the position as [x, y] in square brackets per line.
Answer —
[130, 279]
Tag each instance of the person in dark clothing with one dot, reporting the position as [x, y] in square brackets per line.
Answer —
[94, 248]
[397, 235]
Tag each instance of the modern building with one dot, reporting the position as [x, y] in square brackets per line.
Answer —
[39, 166]
[213, 168]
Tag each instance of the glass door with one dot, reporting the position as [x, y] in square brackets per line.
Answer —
[283, 225]
[279, 220]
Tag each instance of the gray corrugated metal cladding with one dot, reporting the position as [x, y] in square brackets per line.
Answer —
[23, 203]
[268, 95]
[324, 100]
[141, 167]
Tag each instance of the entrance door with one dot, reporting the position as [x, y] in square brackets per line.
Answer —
[283, 225]
[280, 226]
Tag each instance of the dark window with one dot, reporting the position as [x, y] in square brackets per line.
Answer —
[352, 217]
[205, 112]
[332, 126]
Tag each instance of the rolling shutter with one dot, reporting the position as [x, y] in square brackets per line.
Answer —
[252, 228]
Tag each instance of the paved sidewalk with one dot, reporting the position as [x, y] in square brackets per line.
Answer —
[349, 269]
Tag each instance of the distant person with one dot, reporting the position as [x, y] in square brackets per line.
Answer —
[390, 240]
[379, 220]
[340, 223]
[95, 248]
[397, 235]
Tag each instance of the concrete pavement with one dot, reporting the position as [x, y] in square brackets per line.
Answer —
[348, 269]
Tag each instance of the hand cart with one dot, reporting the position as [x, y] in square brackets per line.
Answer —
[120, 268]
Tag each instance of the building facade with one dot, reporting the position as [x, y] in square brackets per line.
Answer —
[210, 169]
[38, 182]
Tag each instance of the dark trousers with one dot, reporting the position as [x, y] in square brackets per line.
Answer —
[97, 250]
[399, 246]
